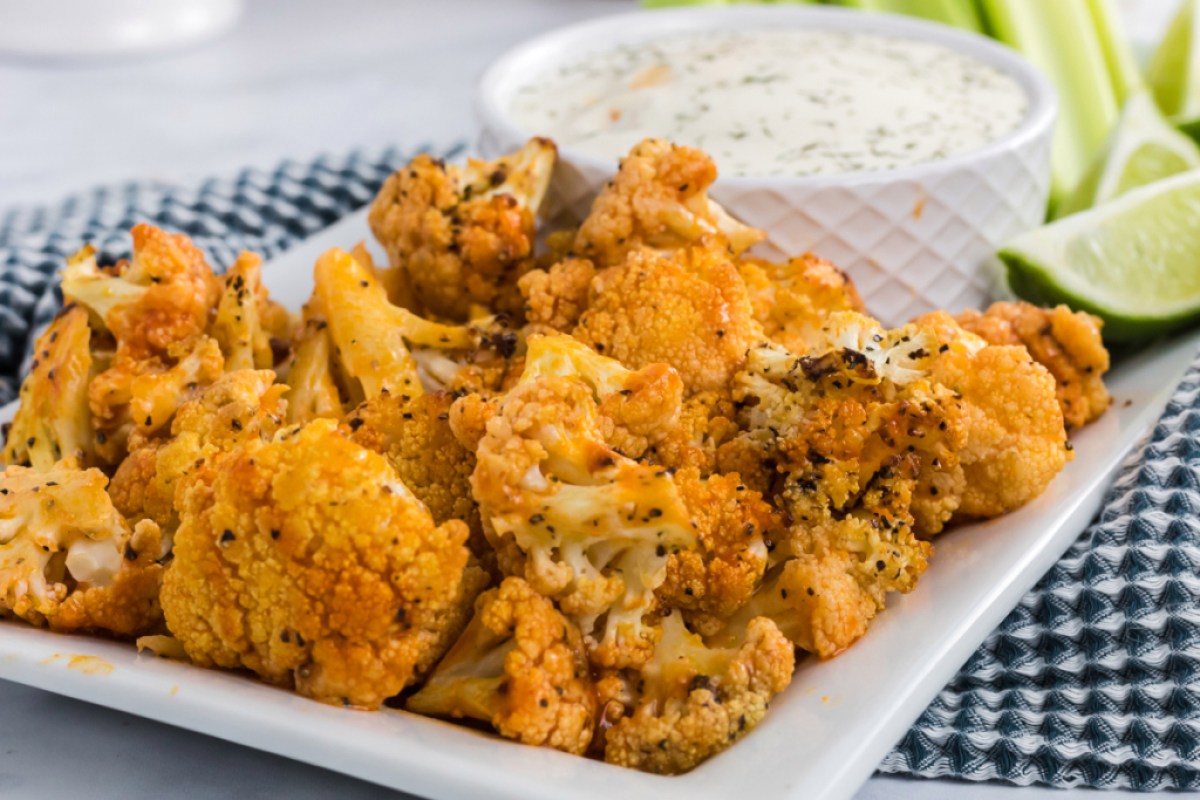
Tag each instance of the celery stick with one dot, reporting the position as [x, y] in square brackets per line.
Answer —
[1123, 70]
[959, 13]
[1061, 38]
[1174, 73]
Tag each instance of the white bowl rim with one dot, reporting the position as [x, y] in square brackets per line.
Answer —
[609, 30]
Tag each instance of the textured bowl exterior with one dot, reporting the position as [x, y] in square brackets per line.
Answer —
[914, 240]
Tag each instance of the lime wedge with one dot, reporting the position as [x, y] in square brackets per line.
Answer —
[1143, 148]
[1135, 262]
[1174, 73]
[1189, 126]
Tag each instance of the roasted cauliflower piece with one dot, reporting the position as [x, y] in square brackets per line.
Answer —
[239, 406]
[306, 560]
[688, 308]
[636, 408]
[720, 575]
[691, 701]
[163, 296]
[157, 308]
[464, 235]
[53, 421]
[556, 297]
[246, 318]
[584, 525]
[659, 199]
[520, 666]
[414, 434]
[356, 346]
[867, 448]
[1016, 440]
[1065, 342]
[313, 385]
[814, 600]
[794, 299]
[68, 560]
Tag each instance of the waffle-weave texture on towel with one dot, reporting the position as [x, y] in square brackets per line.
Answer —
[1094, 680]
[263, 210]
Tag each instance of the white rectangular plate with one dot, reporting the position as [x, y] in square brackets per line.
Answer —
[822, 739]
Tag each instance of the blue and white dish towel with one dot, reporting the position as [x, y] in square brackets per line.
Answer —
[1094, 680]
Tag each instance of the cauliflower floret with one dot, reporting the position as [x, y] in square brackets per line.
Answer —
[519, 666]
[635, 409]
[67, 558]
[867, 449]
[240, 406]
[707, 421]
[53, 421]
[833, 420]
[639, 413]
[246, 318]
[688, 309]
[134, 400]
[414, 434]
[815, 602]
[163, 296]
[313, 392]
[720, 575]
[659, 199]
[1016, 441]
[793, 300]
[581, 523]
[306, 560]
[1066, 343]
[692, 701]
[157, 308]
[463, 236]
[356, 346]
[555, 298]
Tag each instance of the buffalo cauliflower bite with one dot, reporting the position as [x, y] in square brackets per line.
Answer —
[246, 320]
[867, 449]
[639, 416]
[157, 308]
[691, 701]
[556, 297]
[163, 296]
[1016, 441]
[793, 300]
[306, 560]
[1065, 342]
[584, 525]
[659, 199]
[68, 560]
[719, 576]
[831, 420]
[815, 602]
[464, 235]
[53, 421]
[355, 346]
[313, 385]
[707, 421]
[635, 408]
[689, 309]
[239, 406]
[414, 434]
[519, 666]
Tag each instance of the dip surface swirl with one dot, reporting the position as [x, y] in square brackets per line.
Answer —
[777, 102]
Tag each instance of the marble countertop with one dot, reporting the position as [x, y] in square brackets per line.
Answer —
[296, 78]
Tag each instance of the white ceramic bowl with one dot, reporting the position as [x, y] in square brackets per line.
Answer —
[914, 239]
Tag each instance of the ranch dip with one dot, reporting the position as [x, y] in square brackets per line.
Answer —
[777, 102]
